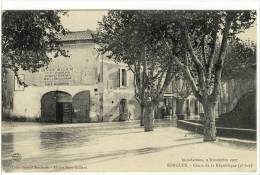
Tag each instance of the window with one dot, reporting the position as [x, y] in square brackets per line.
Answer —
[124, 81]
[123, 78]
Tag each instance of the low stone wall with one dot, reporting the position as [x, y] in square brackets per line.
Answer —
[248, 134]
[190, 126]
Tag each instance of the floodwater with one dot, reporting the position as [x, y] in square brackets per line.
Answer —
[110, 146]
[30, 146]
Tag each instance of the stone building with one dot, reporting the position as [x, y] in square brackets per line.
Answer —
[232, 90]
[173, 106]
[83, 88]
[180, 102]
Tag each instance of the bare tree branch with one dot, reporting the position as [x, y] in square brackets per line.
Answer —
[184, 68]
[187, 42]
[166, 83]
[212, 51]
[221, 57]
[197, 62]
[203, 50]
[160, 79]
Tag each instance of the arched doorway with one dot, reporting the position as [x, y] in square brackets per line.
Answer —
[56, 106]
[81, 106]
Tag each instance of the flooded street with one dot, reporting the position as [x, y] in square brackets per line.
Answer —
[109, 147]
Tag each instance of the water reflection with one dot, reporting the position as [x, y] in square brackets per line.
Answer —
[7, 149]
[27, 145]
[56, 140]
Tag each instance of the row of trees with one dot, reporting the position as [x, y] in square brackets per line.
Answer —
[158, 46]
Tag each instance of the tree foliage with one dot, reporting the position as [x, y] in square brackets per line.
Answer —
[241, 60]
[28, 37]
[128, 36]
[205, 36]
[132, 37]
[195, 41]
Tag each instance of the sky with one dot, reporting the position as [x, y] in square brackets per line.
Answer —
[83, 20]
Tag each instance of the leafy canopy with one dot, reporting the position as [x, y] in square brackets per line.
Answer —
[204, 37]
[129, 37]
[28, 37]
[195, 41]
[241, 60]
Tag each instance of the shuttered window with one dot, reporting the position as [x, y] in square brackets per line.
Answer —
[123, 77]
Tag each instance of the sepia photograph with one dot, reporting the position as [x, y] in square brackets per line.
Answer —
[129, 91]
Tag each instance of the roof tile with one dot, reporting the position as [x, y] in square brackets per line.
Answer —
[77, 36]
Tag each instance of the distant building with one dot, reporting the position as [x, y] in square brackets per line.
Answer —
[232, 89]
[83, 88]
[189, 108]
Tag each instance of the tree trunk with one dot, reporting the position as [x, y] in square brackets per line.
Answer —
[148, 118]
[209, 125]
[180, 111]
[142, 116]
[4, 88]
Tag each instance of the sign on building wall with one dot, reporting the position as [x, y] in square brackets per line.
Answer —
[60, 76]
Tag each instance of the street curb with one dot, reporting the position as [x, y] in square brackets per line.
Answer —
[237, 141]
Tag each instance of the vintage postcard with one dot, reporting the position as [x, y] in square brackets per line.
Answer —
[129, 91]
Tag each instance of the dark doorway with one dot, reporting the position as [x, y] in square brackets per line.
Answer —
[188, 107]
[59, 112]
[196, 107]
[123, 110]
[63, 112]
[67, 112]
[56, 106]
[167, 107]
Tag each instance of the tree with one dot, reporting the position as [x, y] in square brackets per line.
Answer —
[196, 41]
[182, 89]
[27, 39]
[128, 36]
[241, 57]
[205, 36]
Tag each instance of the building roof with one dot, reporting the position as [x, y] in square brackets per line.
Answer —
[77, 36]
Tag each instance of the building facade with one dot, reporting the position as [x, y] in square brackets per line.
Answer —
[83, 88]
